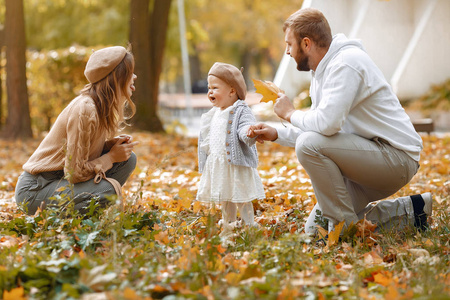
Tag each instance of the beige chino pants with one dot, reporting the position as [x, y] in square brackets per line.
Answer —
[350, 173]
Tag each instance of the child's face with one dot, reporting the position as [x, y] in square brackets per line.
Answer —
[220, 93]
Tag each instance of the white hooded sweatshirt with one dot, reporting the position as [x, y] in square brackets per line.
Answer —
[350, 94]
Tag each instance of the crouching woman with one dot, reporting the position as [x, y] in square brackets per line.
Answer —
[80, 152]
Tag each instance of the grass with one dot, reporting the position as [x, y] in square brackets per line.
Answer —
[161, 245]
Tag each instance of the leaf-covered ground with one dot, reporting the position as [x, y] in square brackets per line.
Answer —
[164, 245]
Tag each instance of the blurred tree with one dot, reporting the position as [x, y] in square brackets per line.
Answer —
[246, 33]
[2, 43]
[18, 123]
[242, 32]
[61, 24]
[55, 77]
[148, 28]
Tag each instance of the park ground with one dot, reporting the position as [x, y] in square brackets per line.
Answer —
[161, 244]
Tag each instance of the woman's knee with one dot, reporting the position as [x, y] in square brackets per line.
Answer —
[131, 162]
[121, 171]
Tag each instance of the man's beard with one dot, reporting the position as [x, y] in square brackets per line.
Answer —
[303, 64]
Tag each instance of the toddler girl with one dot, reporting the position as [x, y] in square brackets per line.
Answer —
[227, 156]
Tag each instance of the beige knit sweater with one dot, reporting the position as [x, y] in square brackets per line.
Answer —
[74, 144]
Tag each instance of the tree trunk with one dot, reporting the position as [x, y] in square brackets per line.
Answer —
[195, 64]
[2, 43]
[148, 37]
[139, 33]
[18, 123]
[246, 62]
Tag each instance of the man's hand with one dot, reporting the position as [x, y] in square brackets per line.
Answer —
[283, 107]
[262, 132]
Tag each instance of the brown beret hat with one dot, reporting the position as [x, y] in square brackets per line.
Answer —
[232, 76]
[102, 62]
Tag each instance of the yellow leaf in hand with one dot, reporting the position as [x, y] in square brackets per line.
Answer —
[266, 88]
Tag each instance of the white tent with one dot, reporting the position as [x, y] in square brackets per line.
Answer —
[409, 40]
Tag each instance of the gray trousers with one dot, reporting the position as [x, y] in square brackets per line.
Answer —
[350, 173]
[34, 191]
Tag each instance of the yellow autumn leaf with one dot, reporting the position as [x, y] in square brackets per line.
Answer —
[14, 294]
[383, 279]
[322, 232]
[197, 206]
[130, 294]
[184, 193]
[184, 203]
[392, 293]
[267, 89]
[61, 189]
[233, 278]
[162, 237]
[333, 236]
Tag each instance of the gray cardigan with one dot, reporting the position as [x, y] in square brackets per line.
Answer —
[240, 149]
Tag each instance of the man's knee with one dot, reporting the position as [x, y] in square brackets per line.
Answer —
[307, 144]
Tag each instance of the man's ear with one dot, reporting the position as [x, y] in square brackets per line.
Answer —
[307, 43]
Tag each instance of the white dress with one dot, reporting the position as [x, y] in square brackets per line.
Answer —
[220, 180]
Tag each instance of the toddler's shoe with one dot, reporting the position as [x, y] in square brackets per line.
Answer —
[254, 225]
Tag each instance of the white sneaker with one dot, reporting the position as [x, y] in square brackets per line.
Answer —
[428, 199]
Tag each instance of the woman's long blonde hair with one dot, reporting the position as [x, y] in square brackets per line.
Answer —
[113, 111]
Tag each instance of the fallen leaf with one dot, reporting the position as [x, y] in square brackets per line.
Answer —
[162, 237]
[383, 278]
[372, 258]
[392, 293]
[419, 252]
[8, 242]
[14, 294]
[197, 206]
[333, 236]
[130, 294]
[233, 278]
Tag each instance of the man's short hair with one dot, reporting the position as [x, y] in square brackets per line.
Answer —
[311, 23]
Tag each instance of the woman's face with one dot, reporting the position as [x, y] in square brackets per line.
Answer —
[130, 85]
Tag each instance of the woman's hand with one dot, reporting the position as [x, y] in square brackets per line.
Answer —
[121, 150]
[110, 143]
